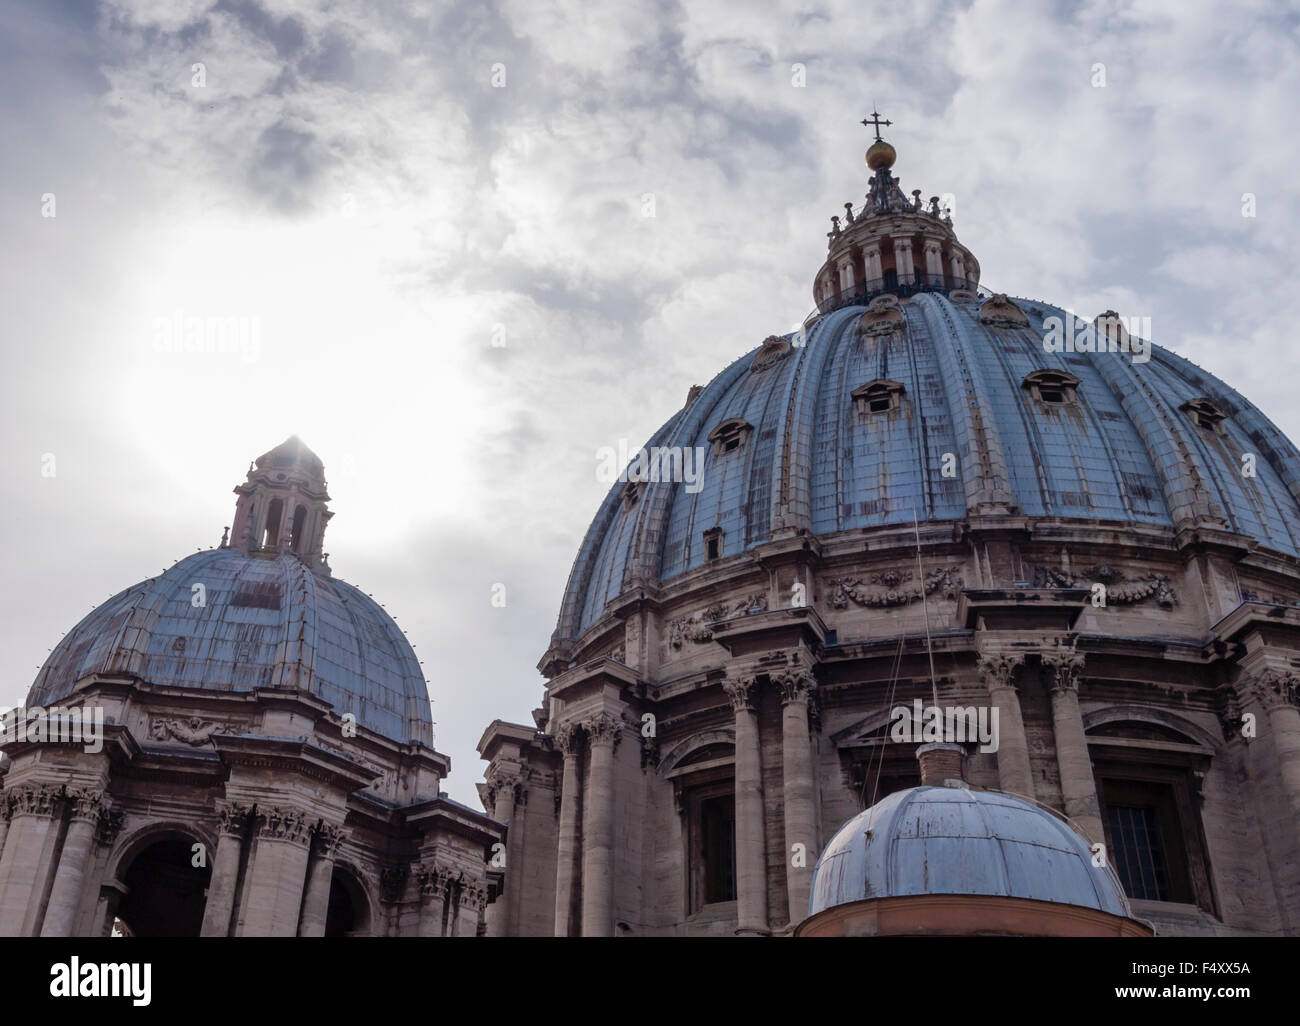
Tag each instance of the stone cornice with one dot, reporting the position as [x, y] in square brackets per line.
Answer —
[296, 755]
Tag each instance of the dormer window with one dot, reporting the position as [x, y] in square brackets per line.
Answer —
[713, 544]
[1203, 413]
[631, 494]
[879, 396]
[1052, 388]
[729, 435]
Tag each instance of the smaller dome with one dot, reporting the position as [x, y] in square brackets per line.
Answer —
[881, 154]
[952, 840]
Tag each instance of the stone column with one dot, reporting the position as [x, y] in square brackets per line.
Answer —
[566, 863]
[472, 897]
[846, 275]
[1278, 692]
[70, 878]
[325, 842]
[433, 878]
[225, 869]
[504, 784]
[871, 261]
[277, 875]
[25, 863]
[800, 805]
[4, 820]
[903, 261]
[934, 261]
[751, 853]
[998, 671]
[603, 734]
[958, 267]
[1078, 790]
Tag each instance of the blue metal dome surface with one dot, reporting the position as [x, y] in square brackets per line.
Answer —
[264, 622]
[1126, 450]
[951, 840]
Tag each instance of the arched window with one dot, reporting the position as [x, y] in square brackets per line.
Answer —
[271, 536]
[296, 539]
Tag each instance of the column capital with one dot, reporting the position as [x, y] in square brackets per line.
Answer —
[1000, 669]
[1064, 670]
[795, 685]
[284, 823]
[603, 729]
[505, 778]
[567, 737]
[433, 877]
[85, 803]
[234, 817]
[1272, 688]
[33, 800]
[473, 895]
[326, 838]
[743, 692]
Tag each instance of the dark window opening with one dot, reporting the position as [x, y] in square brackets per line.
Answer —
[1147, 841]
[271, 536]
[880, 405]
[1052, 395]
[731, 444]
[711, 548]
[718, 847]
[295, 535]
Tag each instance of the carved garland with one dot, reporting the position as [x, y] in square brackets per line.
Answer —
[893, 588]
[1120, 590]
[698, 628]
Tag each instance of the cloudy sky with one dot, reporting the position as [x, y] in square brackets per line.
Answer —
[431, 219]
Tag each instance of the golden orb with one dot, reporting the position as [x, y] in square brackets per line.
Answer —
[881, 155]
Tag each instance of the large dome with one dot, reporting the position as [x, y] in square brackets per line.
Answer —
[264, 623]
[849, 430]
[952, 840]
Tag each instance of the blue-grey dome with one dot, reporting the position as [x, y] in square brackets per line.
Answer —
[951, 840]
[264, 622]
[1126, 448]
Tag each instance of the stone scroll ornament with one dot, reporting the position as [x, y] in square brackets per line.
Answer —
[192, 731]
[698, 628]
[1120, 590]
[893, 588]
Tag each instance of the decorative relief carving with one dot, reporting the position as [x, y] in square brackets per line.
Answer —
[1120, 590]
[1001, 312]
[1063, 670]
[283, 824]
[698, 628]
[473, 895]
[893, 587]
[108, 824]
[618, 653]
[774, 349]
[392, 881]
[192, 731]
